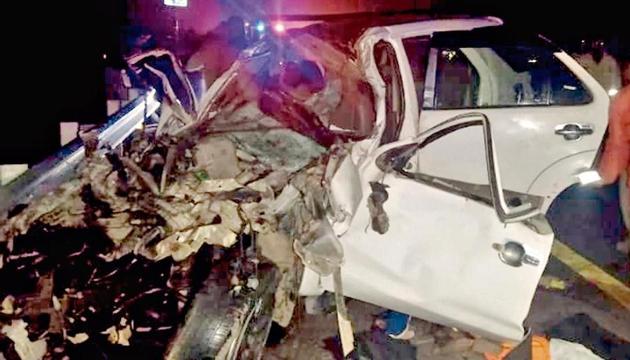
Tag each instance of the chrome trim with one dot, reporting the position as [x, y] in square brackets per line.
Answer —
[505, 213]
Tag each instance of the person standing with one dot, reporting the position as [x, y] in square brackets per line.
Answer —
[602, 66]
[615, 161]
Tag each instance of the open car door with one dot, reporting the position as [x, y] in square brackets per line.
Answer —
[467, 255]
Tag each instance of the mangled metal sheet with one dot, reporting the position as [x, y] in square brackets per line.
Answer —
[25, 348]
[246, 165]
[380, 220]
[281, 149]
[272, 198]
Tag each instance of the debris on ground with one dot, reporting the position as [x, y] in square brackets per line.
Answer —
[552, 283]
[316, 337]
[78, 338]
[542, 348]
[120, 336]
[24, 347]
[7, 305]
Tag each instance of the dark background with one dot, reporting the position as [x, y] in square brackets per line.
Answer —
[565, 22]
[55, 71]
[55, 66]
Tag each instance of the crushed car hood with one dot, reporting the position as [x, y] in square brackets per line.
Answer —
[249, 160]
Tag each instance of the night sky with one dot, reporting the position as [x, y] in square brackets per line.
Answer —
[55, 64]
[55, 71]
[563, 21]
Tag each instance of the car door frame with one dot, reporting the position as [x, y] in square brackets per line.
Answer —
[505, 212]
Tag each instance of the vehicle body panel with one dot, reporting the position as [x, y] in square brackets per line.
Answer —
[438, 260]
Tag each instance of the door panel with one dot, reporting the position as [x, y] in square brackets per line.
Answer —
[439, 260]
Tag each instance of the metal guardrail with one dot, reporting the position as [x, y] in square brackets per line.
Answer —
[61, 167]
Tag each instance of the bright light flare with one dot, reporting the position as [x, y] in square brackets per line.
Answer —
[279, 28]
[589, 177]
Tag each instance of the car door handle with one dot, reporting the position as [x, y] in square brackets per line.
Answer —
[513, 253]
[574, 131]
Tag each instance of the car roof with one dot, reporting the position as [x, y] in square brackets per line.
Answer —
[345, 30]
[438, 25]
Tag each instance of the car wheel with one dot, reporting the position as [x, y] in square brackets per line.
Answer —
[220, 324]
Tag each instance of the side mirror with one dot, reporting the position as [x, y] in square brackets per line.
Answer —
[395, 158]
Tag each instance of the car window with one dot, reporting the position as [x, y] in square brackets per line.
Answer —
[501, 75]
[456, 81]
[472, 182]
[473, 166]
[504, 76]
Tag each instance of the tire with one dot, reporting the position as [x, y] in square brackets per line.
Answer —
[212, 329]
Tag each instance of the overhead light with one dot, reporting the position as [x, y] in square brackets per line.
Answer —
[612, 92]
[176, 3]
[589, 177]
[260, 26]
[449, 54]
[279, 27]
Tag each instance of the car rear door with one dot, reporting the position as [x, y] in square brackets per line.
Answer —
[542, 111]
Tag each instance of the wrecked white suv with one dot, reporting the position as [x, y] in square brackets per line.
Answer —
[477, 134]
[417, 162]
